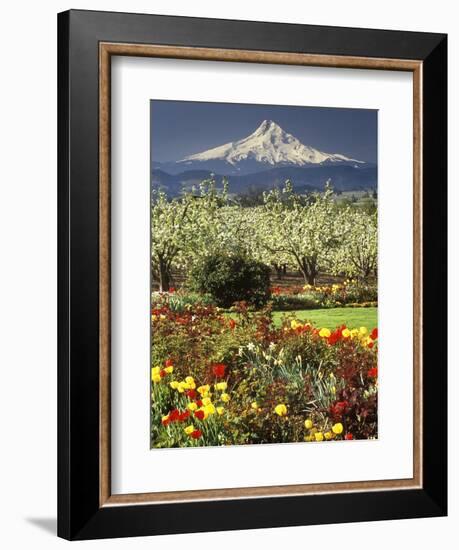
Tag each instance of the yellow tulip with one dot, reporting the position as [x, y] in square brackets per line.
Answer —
[367, 341]
[204, 390]
[346, 333]
[206, 401]
[337, 428]
[225, 397]
[363, 331]
[189, 429]
[155, 370]
[324, 332]
[220, 410]
[308, 424]
[328, 435]
[280, 409]
[169, 370]
[319, 436]
[192, 406]
[295, 324]
[221, 386]
[254, 405]
[209, 409]
[174, 384]
[156, 378]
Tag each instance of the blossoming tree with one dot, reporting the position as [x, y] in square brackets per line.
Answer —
[305, 231]
[358, 255]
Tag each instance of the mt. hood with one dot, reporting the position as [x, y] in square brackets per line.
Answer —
[269, 144]
[263, 160]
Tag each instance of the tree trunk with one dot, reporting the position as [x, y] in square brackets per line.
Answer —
[311, 277]
[279, 270]
[164, 276]
[308, 269]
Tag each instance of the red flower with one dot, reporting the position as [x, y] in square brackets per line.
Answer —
[232, 324]
[219, 370]
[166, 421]
[174, 415]
[339, 408]
[172, 290]
[184, 415]
[335, 336]
[191, 394]
[373, 373]
[370, 345]
[348, 437]
[199, 415]
[169, 363]
[196, 434]
[374, 334]
[162, 373]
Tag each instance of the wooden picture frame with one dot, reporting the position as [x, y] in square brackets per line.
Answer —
[87, 42]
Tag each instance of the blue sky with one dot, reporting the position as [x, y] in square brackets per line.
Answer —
[181, 128]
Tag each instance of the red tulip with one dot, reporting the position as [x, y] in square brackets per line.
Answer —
[191, 394]
[174, 415]
[199, 415]
[184, 415]
[219, 370]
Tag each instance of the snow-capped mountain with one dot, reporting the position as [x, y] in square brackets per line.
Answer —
[263, 160]
[269, 144]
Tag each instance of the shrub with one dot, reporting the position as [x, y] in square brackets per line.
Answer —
[286, 302]
[230, 279]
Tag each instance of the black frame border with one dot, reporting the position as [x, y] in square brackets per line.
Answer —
[79, 514]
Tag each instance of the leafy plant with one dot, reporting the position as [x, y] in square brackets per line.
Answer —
[230, 279]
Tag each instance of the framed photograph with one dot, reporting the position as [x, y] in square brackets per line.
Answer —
[252, 274]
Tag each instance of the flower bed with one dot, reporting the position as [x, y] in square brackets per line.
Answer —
[349, 293]
[217, 380]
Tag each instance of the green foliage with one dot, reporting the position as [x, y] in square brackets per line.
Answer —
[286, 302]
[230, 279]
[181, 300]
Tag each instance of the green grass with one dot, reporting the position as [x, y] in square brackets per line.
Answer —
[331, 318]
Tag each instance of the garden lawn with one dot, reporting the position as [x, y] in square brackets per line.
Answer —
[331, 318]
